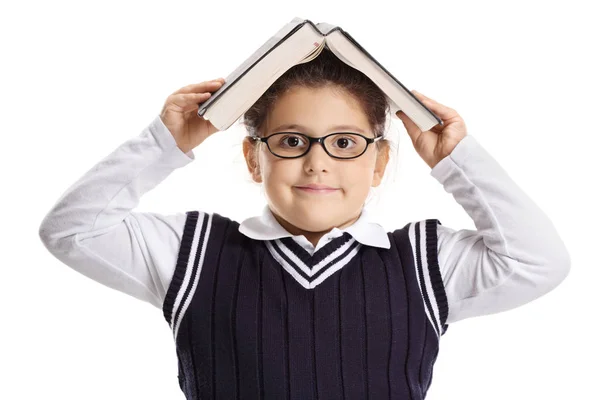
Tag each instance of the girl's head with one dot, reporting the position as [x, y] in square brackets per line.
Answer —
[320, 97]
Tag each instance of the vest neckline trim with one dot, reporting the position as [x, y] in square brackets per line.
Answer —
[311, 270]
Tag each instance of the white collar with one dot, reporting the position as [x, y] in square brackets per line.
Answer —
[266, 227]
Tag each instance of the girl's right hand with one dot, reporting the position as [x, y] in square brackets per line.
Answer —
[180, 114]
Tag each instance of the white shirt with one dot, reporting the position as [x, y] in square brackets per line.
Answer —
[514, 256]
[266, 227]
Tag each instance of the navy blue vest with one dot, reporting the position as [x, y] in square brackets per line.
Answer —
[258, 319]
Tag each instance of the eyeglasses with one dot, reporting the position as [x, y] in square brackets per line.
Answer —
[342, 145]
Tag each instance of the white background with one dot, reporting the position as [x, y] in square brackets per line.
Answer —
[80, 78]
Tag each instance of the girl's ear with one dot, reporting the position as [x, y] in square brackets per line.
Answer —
[383, 157]
[249, 147]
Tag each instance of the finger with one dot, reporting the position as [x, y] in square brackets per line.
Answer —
[441, 110]
[201, 87]
[188, 101]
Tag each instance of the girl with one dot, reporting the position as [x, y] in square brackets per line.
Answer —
[310, 299]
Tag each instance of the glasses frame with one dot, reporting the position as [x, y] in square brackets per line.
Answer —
[319, 140]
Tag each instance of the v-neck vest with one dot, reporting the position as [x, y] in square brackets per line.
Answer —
[267, 320]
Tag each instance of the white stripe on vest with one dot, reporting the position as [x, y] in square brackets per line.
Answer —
[418, 238]
[178, 308]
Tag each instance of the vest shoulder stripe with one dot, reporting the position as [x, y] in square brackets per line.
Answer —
[423, 238]
[189, 265]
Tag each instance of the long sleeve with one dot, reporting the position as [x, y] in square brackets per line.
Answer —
[514, 256]
[93, 230]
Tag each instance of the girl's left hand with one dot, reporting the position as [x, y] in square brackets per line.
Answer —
[437, 143]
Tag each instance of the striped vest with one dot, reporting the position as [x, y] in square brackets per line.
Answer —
[258, 319]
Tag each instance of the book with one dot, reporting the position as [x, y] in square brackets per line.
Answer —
[300, 41]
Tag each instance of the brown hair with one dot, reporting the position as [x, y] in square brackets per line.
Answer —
[325, 70]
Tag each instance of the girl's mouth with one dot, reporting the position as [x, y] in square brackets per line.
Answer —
[316, 191]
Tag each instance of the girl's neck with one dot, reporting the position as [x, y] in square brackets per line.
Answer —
[311, 236]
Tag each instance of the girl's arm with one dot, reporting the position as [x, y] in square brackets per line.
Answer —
[515, 255]
[93, 230]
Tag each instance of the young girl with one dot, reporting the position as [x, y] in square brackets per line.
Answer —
[310, 299]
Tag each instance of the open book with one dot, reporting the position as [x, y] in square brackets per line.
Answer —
[300, 41]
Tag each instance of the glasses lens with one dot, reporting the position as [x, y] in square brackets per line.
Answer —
[343, 145]
[287, 144]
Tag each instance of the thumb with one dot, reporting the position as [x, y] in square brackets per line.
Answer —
[211, 128]
[412, 128]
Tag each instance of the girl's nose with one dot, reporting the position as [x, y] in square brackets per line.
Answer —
[317, 158]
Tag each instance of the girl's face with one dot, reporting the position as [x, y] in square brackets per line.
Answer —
[318, 112]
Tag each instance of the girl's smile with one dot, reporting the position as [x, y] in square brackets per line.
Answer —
[314, 190]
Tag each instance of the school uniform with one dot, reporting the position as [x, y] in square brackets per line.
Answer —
[259, 313]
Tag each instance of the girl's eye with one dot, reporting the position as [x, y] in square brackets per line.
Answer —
[343, 141]
[291, 141]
